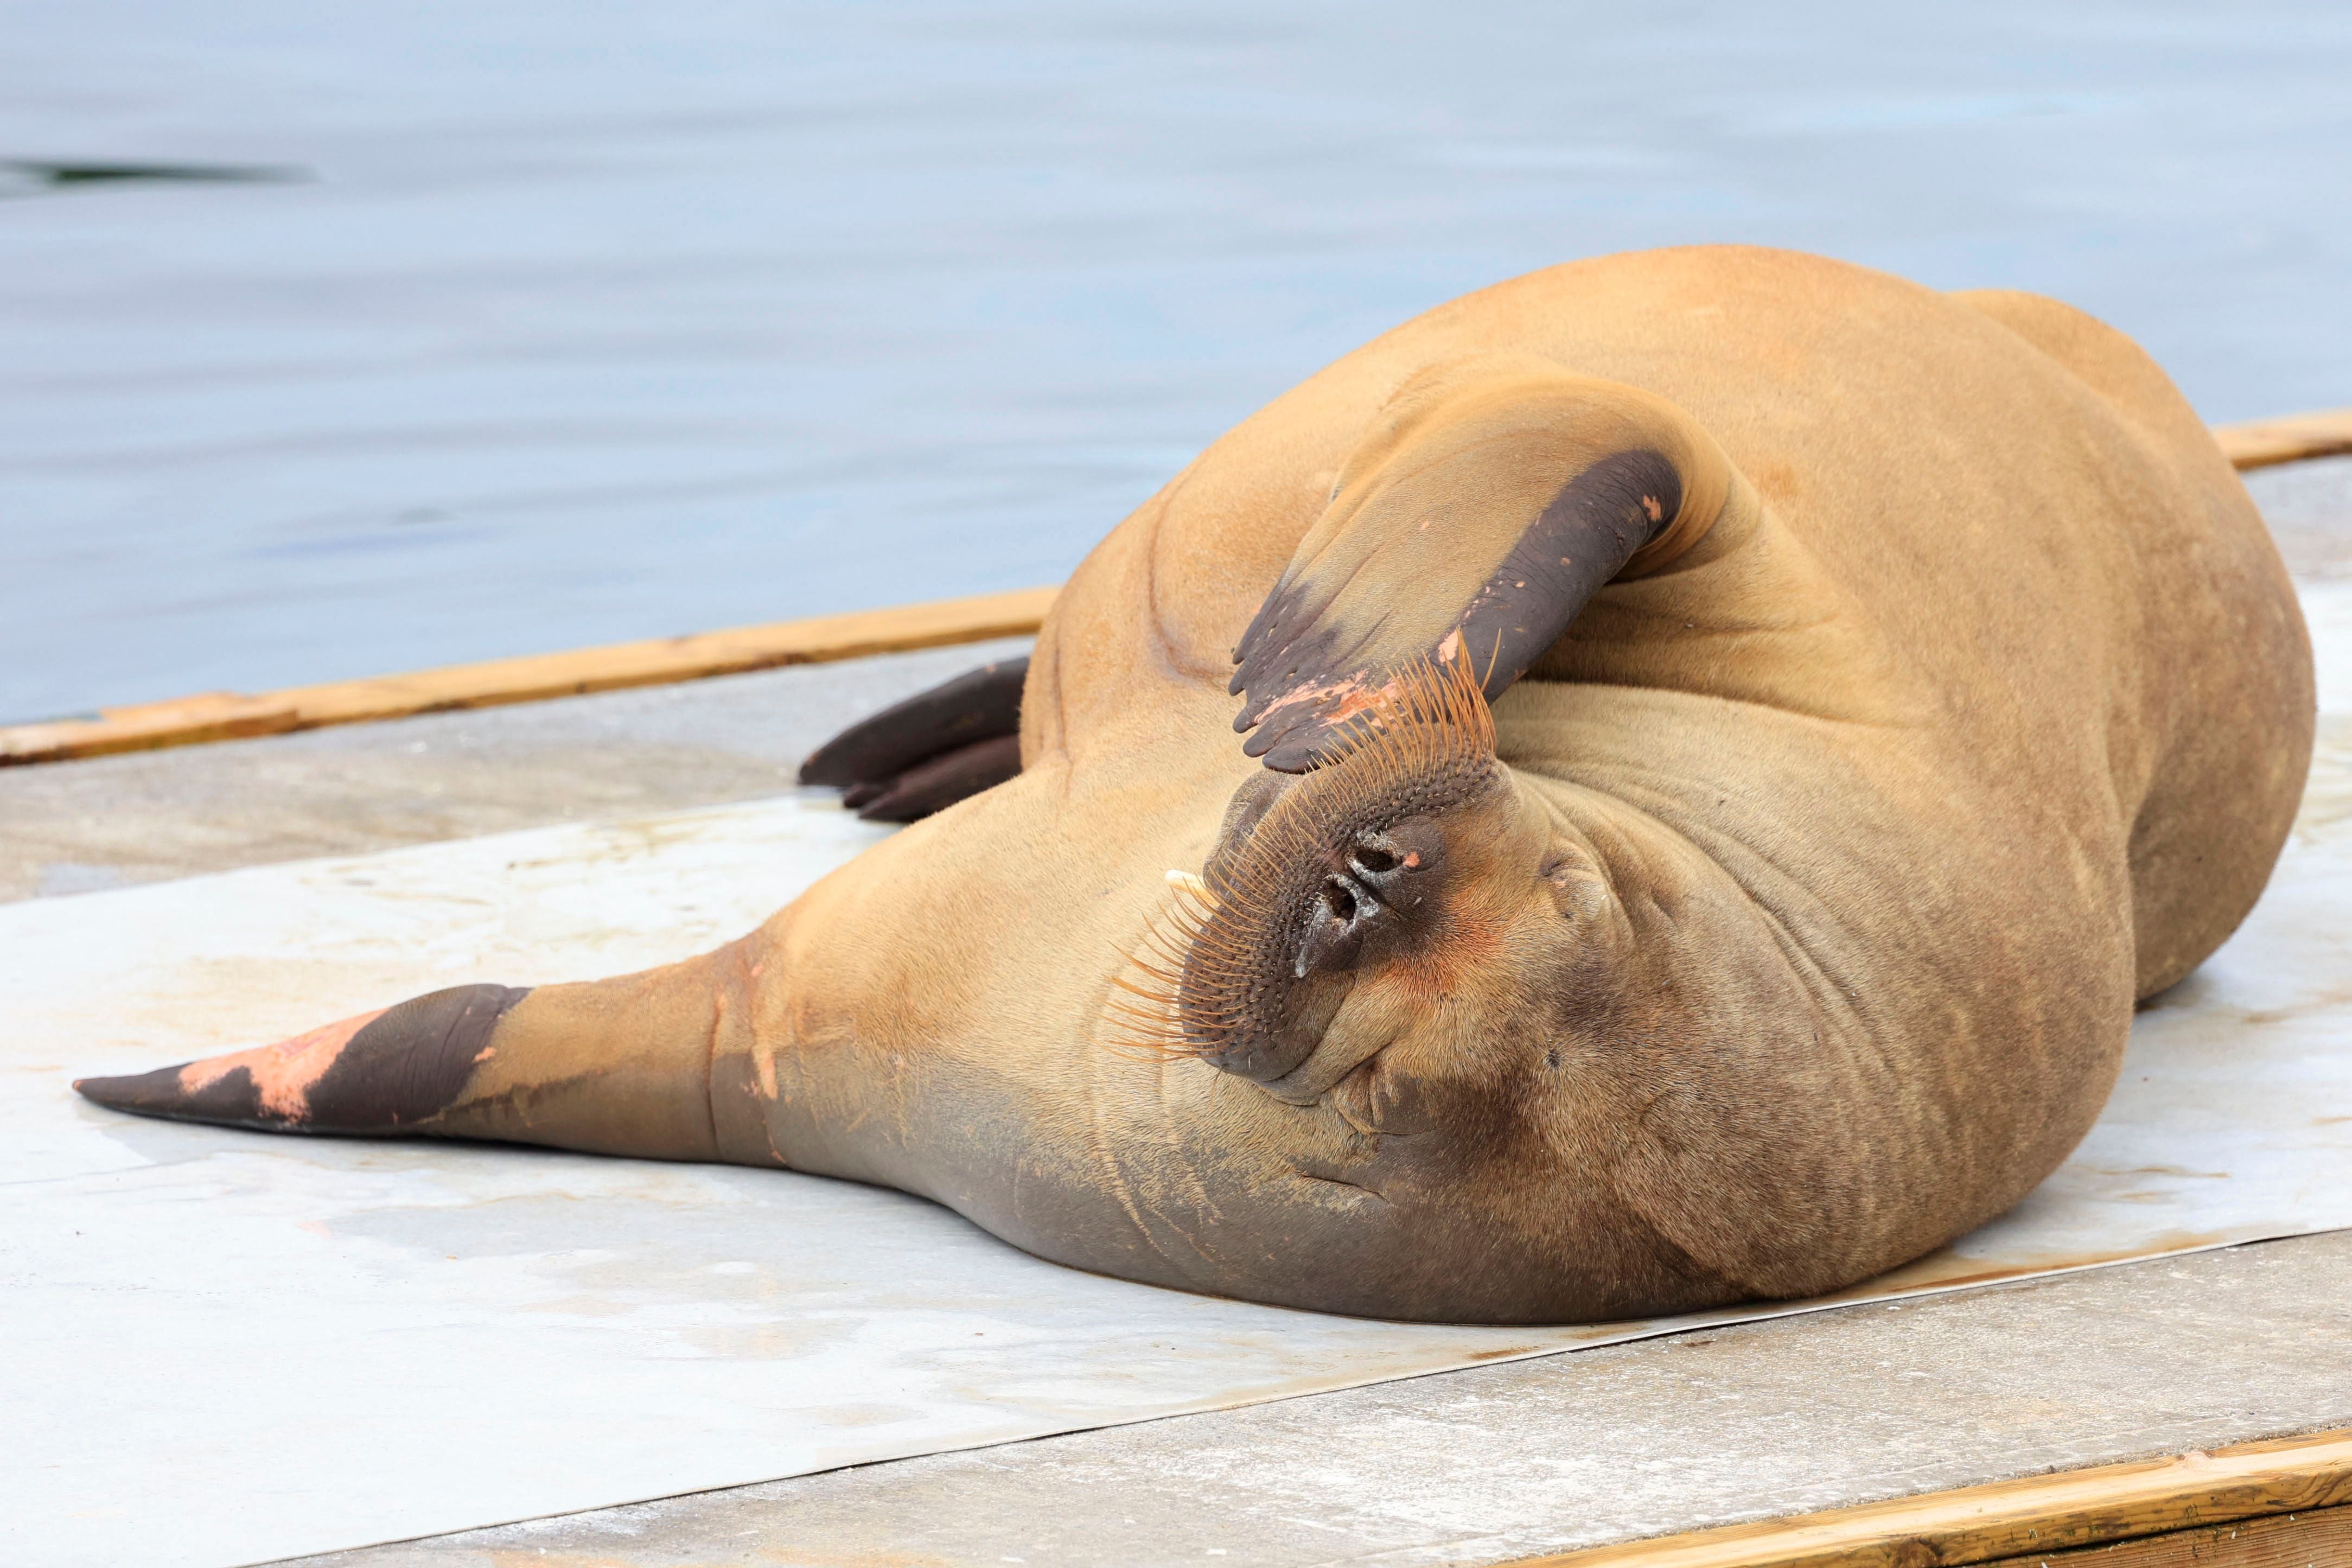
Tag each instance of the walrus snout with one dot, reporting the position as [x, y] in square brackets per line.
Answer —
[1313, 877]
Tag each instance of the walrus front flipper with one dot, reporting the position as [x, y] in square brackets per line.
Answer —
[1490, 501]
[614, 1066]
[931, 751]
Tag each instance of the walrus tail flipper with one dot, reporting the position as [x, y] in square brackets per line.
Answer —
[1488, 502]
[931, 751]
[617, 1067]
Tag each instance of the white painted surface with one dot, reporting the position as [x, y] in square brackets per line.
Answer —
[217, 1347]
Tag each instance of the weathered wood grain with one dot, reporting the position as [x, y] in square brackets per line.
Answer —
[2024, 1519]
[223, 715]
[2321, 1539]
[2292, 438]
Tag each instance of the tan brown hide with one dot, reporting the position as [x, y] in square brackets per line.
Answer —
[1905, 685]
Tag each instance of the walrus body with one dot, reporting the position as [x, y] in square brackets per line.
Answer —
[1909, 687]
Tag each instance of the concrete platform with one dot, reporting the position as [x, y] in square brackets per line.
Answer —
[1467, 1467]
[1485, 1466]
[111, 822]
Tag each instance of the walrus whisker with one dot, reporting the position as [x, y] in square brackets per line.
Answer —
[1424, 744]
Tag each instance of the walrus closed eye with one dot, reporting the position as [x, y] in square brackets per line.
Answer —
[1724, 739]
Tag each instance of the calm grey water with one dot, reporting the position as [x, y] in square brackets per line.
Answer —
[602, 321]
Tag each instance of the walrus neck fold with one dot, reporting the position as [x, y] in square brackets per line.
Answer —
[1349, 863]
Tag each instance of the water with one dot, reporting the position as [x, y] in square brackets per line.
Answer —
[593, 322]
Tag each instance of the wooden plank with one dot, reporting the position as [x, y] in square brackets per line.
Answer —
[2281, 1541]
[221, 715]
[663, 661]
[184, 720]
[2260, 443]
[2009, 1520]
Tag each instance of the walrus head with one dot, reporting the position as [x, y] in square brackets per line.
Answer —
[1387, 882]
[1397, 883]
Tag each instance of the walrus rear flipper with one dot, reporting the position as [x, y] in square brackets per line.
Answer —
[616, 1067]
[1487, 505]
[931, 751]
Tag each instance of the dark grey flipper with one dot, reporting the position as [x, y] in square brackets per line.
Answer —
[931, 751]
[393, 1073]
[1304, 663]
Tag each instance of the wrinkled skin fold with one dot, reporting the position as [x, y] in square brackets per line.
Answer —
[1656, 783]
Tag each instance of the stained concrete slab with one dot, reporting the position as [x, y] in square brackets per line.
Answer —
[1467, 1467]
[111, 822]
[2309, 509]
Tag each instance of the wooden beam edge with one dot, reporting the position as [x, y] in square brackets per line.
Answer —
[2294, 438]
[227, 715]
[2004, 1520]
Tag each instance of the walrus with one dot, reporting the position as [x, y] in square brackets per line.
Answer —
[1656, 783]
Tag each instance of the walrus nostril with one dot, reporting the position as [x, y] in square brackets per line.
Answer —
[1335, 927]
[1396, 865]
